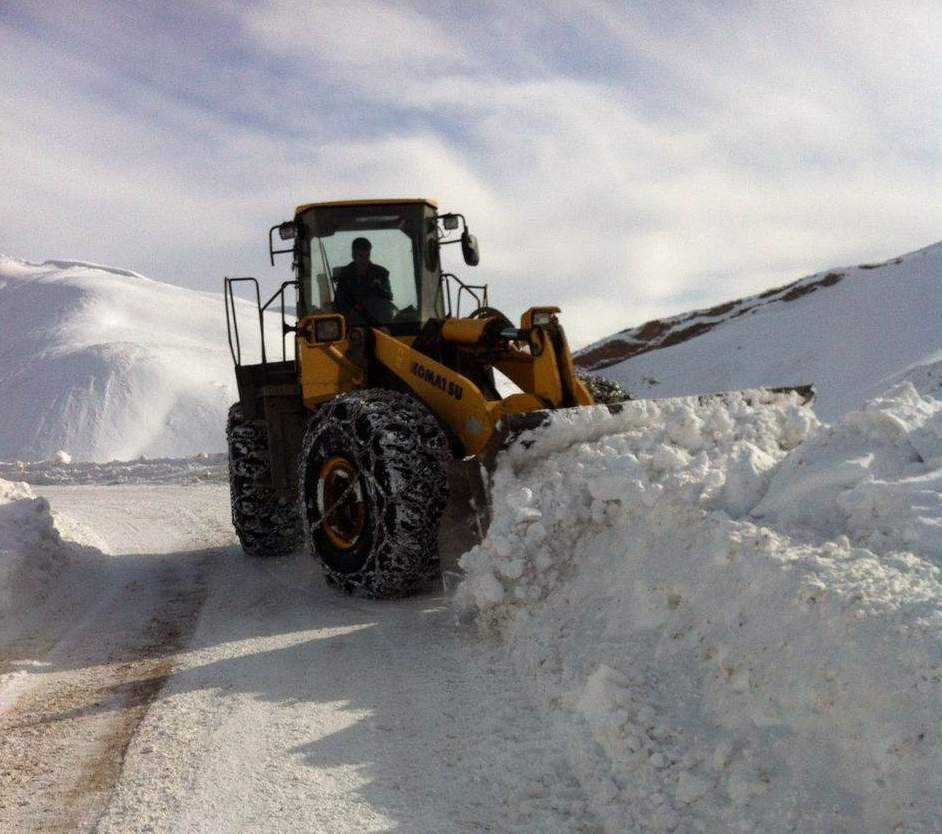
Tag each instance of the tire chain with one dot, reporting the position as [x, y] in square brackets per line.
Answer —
[603, 390]
[401, 453]
[266, 524]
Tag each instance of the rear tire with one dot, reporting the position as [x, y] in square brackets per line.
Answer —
[265, 524]
[373, 486]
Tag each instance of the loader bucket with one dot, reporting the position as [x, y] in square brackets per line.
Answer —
[519, 436]
[520, 432]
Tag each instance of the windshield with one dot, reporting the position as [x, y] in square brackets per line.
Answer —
[363, 263]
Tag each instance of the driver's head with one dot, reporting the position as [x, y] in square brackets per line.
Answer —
[361, 251]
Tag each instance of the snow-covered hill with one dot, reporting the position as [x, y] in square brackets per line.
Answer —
[852, 332]
[106, 364]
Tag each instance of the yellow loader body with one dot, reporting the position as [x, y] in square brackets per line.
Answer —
[542, 368]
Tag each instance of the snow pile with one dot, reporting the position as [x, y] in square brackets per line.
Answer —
[107, 364]
[35, 545]
[32, 556]
[876, 476]
[852, 332]
[47, 579]
[713, 670]
[26, 528]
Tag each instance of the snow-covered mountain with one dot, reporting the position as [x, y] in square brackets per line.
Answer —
[107, 364]
[852, 332]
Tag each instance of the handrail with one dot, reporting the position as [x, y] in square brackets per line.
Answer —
[470, 288]
[232, 325]
[447, 278]
[232, 319]
[280, 292]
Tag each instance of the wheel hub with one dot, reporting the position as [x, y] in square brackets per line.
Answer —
[340, 503]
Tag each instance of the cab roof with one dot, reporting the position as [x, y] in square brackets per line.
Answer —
[380, 202]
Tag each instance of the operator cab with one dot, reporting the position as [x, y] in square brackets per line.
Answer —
[403, 236]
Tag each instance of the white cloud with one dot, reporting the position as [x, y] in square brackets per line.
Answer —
[669, 160]
[366, 36]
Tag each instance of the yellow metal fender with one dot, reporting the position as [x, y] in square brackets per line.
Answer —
[323, 368]
[454, 398]
[451, 396]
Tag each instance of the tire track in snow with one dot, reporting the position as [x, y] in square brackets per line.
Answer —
[298, 709]
[63, 742]
[279, 705]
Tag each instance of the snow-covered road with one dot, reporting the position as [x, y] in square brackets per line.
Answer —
[203, 691]
[686, 616]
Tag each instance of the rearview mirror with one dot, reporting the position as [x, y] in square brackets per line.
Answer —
[469, 248]
[450, 222]
[287, 230]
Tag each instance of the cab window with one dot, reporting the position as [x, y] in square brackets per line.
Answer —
[327, 237]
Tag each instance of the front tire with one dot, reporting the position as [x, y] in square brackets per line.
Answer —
[373, 487]
[265, 524]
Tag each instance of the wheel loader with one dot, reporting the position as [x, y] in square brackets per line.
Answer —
[352, 440]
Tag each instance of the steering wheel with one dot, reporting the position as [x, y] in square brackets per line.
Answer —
[372, 310]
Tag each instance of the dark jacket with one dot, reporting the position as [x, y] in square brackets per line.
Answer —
[351, 288]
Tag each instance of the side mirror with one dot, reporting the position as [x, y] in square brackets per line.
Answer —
[287, 230]
[450, 222]
[469, 248]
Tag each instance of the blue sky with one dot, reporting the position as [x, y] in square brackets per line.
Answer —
[624, 160]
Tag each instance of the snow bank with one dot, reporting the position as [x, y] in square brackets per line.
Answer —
[713, 670]
[32, 557]
[45, 581]
[26, 530]
[876, 476]
[35, 545]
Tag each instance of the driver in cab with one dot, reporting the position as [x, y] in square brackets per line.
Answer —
[361, 279]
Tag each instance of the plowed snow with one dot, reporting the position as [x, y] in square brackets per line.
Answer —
[730, 613]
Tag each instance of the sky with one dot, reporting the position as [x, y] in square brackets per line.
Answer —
[623, 160]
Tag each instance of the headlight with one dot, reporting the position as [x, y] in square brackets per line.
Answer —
[327, 330]
[541, 318]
